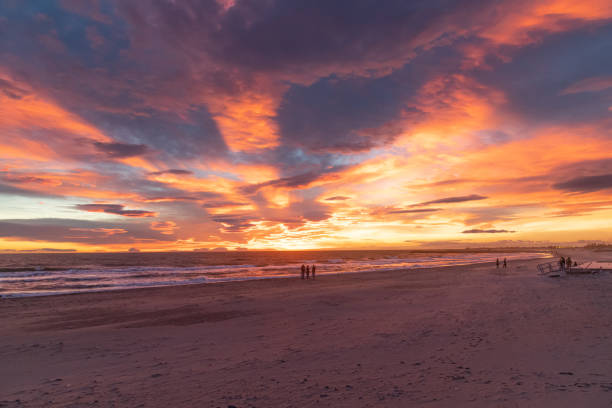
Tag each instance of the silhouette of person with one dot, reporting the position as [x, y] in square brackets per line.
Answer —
[303, 270]
[568, 262]
[307, 272]
[562, 264]
[497, 263]
[505, 263]
[314, 268]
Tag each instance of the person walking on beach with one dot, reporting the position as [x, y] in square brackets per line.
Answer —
[562, 264]
[497, 263]
[568, 262]
[303, 270]
[314, 268]
[505, 263]
[307, 271]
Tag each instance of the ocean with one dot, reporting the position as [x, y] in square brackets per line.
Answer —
[36, 274]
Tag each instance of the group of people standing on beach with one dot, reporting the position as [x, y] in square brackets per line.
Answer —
[566, 263]
[505, 263]
[307, 270]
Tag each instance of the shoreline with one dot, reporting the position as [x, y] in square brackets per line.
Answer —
[473, 336]
[208, 280]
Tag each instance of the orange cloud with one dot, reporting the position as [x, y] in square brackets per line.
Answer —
[165, 227]
[105, 231]
[27, 110]
[518, 24]
[589, 85]
[246, 121]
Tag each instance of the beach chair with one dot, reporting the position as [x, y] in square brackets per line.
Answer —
[550, 269]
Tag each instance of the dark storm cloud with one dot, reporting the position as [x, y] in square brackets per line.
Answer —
[295, 38]
[486, 231]
[536, 78]
[586, 184]
[142, 81]
[189, 135]
[458, 199]
[115, 83]
[121, 150]
[581, 168]
[306, 34]
[142, 88]
[341, 115]
[117, 209]
[353, 114]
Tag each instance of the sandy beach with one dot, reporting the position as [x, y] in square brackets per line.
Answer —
[472, 336]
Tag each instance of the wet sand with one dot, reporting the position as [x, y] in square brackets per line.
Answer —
[473, 336]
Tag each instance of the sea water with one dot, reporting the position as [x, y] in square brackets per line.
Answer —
[36, 274]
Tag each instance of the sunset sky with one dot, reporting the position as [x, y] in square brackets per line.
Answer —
[303, 124]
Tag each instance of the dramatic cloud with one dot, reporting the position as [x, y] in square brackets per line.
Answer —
[117, 209]
[104, 231]
[337, 198]
[165, 227]
[78, 231]
[222, 203]
[586, 184]
[234, 223]
[16, 179]
[16, 191]
[595, 84]
[299, 180]
[341, 115]
[459, 199]
[121, 150]
[48, 250]
[575, 90]
[188, 135]
[292, 124]
[413, 211]
[11, 90]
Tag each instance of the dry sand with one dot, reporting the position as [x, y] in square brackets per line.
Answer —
[471, 336]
